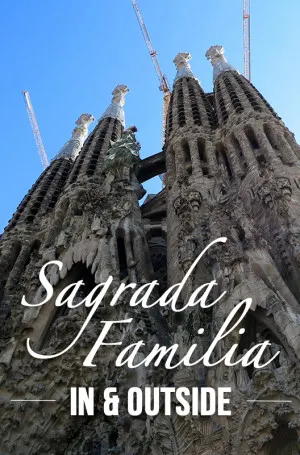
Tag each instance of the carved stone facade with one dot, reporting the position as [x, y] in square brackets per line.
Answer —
[232, 171]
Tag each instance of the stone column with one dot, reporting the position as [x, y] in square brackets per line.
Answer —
[179, 162]
[293, 144]
[195, 158]
[288, 154]
[234, 159]
[247, 150]
[211, 158]
[129, 258]
[175, 112]
[8, 257]
[265, 145]
[19, 266]
[171, 168]
[227, 100]
[144, 266]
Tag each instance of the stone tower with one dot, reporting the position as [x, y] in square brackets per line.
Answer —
[232, 171]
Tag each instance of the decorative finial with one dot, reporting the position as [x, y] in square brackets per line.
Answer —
[215, 55]
[183, 67]
[115, 109]
[72, 148]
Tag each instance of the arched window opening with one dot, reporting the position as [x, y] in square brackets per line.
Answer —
[187, 156]
[35, 248]
[158, 253]
[201, 149]
[239, 153]
[252, 138]
[241, 233]
[202, 155]
[261, 159]
[113, 438]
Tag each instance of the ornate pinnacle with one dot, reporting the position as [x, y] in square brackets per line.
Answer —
[115, 109]
[183, 67]
[215, 55]
[72, 148]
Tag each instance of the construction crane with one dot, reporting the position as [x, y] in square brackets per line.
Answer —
[35, 129]
[164, 85]
[247, 38]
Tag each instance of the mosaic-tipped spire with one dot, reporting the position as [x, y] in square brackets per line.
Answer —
[215, 55]
[183, 67]
[115, 109]
[72, 148]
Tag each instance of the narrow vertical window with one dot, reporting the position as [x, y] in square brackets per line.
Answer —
[239, 152]
[202, 155]
[187, 156]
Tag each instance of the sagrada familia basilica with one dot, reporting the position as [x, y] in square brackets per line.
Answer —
[232, 170]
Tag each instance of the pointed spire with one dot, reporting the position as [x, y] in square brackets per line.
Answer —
[115, 109]
[215, 55]
[183, 67]
[72, 148]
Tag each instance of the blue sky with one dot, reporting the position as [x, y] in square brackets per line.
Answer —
[70, 54]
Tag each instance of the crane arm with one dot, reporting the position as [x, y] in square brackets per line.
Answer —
[247, 38]
[35, 130]
[164, 86]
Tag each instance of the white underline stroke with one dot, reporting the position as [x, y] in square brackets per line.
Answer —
[32, 400]
[269, 401]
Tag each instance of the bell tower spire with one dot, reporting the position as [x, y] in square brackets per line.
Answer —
[42, 197]
[215, 55]
[73, 146]
[110, 128]
[189, 105]
[115, 109]
[249, 141]
[183, 67]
